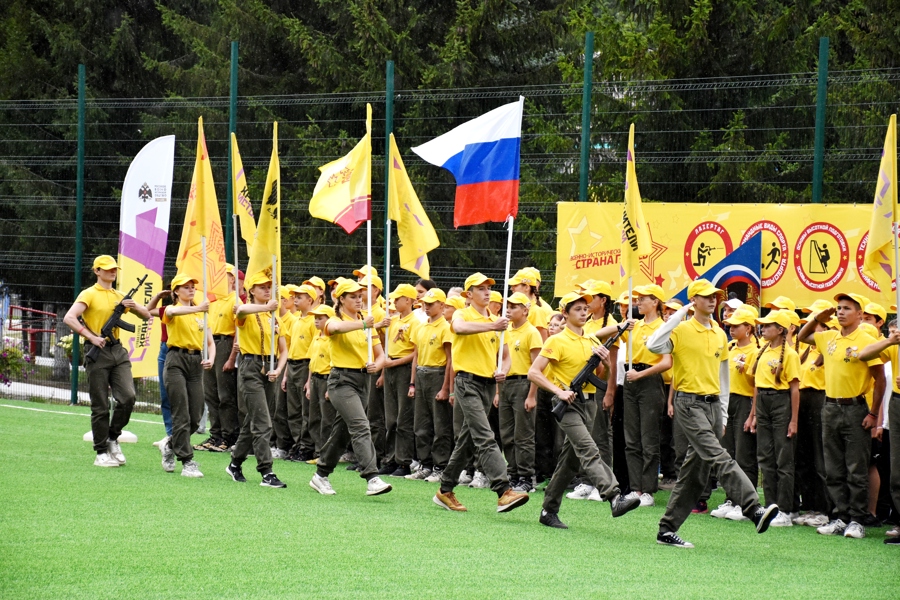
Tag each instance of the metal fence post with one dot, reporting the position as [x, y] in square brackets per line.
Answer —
[232, 128]
[586, 116]
[388, 129]
[79, 226]
[821, 100]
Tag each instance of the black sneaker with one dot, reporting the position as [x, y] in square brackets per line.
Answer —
[552, 520]
[622, 504]
[671, 539]
[763, 517]
[304, 455]
[352, 467]
[236, 473]
[870, 520]
[388, 468]
[401, 471]
[895, 541]
[700, 508]
[271, 480]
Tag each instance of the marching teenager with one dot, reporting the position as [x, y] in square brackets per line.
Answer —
[739, 441]
[422, 286]
[524, 282]
[776, 371]
[566, 354]
[350, 367]
[302, 333]
[518, 396]
[430, 384]
[256, 380]
[846, 417]
[184, 372]
[644, 396]
[321, 412]
[700, 377]
[111, 369]
[317, 284]
[475, 349]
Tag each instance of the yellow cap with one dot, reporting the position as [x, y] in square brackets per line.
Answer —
[875, 309]
[284, 291]
[374, 279]
[752, 309]
[598, 287]
[858, 298]
[533, 272]
[434, 295]
[229, 268]
[520, 298]
[477, 279]
[795, 318]
[651, 289]
[779, 317]
[623, 298]
[741, 316]
[457, 302]
[315, 282]
[337, 281]
[404, 290]
[181, 279]
[257, 279]
[572, 297]
[818, 306]
[782, 302]
[870, 329]
[833, 323]
[701, 287]
[105, 262]
[366, 270]
[347, 286]
[308, 290]
[523, 277]
[496, 296]
[586, 284]
[674, 304]
[322, 309]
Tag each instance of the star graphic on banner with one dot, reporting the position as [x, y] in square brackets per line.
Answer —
[648, 263]
[577, 234]
[659, 279]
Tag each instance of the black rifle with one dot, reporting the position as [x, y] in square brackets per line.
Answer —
[587, 375]
[115, 321]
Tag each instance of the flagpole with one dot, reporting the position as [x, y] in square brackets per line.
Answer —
[275, 295]
[894, 229]
[511, 220]
[387, 275]
[369, 286]
[630, 305]
[237, 294]
[204, 349]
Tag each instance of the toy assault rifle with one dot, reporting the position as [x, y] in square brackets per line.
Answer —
[587, 375]
[115, 321]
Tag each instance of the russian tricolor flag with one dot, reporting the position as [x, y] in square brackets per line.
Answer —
[483, 155]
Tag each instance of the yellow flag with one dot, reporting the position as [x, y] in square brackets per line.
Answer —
[201, 219]
[242, 207]
[635, 235]
[267, 242]
[417, 236]
[879, 260]
[343, 194]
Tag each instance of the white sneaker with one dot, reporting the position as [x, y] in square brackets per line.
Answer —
[581, 492]
[105, 460]
[464, 478]
[647, 500]
[855, 530]
[836, 527]
[435, 476]
[736, 514]
[377, 486]
[633, 494]
[115, 451]
[722, 510]
[480, 481]
[190, 469]
[414, 466]
[278, 454]
[801, 519]
[160, 443]
[168, 457]
[893, 532]
[419, 474]
[321, 485]
[782, 520]
[595, 495]
[816, 519]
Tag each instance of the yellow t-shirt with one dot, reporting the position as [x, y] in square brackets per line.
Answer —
[349, 350]
[812, 376]
[100, 304]
[252, 339]
[768, 364]
[302, 335]
[378, 313]
[568, 353]
[400, 334]
[639, 335]
[285, 325]
[221, 315]
[429, 339]
[185, 331]
[537, 315]
[741, 382]
[521, 341]
[475, 353]
[845, 375]
[697, 352]
[320, 355]
[891, 354]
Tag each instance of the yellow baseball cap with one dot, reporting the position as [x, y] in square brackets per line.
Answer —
[347, 286]
[651, 289]
[623, 298]
[779, 317]
[795, 318]
[870, 329]
[586, 284]
[434, 295]
[674, 304]
[308, 290]
[257, 279]
[818, 306]
[285, 291]
[477, 279]
[741, 317]
[782, 302]
[496, 296]
[858, 298]
[181, 279]
[701, 287]
[337, 281]
[875, 309]
[523, 277]
[572, 297]
[229, 268]
[520, 298]
[315, 282]
[374, 279]
[365, 270]
[533, 272]
[404, 290]
[105, 262]
[323, 310]
[457, 302]
[597, 288]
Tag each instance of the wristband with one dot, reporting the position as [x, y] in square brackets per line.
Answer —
[81, 332]
[871, 414]
[412, 385]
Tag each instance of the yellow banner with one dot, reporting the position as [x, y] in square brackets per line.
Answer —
[809, 251]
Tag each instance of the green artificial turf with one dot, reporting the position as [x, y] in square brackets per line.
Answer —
[70, 530]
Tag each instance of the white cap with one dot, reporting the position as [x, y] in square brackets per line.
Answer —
[734, 303]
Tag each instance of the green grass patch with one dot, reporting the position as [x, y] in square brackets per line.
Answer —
[71, 530]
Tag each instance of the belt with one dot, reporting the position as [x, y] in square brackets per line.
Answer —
[478, 378]
[638, 367]
[708, 398]
[430, 369]
[770, 391]
[319, 376]
[846, 401]
[109, 344]
[345, 370]
[183, 350]
[255, 356]
[297, 361]
[222, 337]
[514, 377]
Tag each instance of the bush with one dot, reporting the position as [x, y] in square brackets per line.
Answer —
[12, 362]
